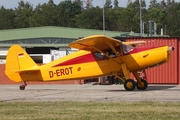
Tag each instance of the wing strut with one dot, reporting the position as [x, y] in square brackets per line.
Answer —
[117, 76]
[123, 65]
[114, 50]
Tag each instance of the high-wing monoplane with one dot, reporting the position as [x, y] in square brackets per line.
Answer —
[98, 56]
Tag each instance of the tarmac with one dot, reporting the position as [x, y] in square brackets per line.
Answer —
[88, 93]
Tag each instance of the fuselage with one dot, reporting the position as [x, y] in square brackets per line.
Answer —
[84, 64]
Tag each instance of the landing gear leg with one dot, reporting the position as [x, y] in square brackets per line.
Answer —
[129, 84]
[22, 87]
[141, 84]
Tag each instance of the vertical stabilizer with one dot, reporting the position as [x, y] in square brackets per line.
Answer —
[17, 59]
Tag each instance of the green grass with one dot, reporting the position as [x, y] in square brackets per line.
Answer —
[89, 111]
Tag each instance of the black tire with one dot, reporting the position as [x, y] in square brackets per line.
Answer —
[21, 87]
[129, 85]
[145, 85]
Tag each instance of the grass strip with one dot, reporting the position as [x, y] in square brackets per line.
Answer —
[89, 111]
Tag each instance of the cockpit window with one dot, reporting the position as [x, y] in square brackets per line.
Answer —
[127, 48]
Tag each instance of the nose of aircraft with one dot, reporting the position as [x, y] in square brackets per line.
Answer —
[171, 49]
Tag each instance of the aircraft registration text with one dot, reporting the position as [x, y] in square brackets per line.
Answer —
[60, 72]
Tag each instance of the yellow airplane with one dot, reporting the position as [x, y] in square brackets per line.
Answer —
[98, 56]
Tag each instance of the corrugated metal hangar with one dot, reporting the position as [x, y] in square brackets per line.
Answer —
[45, 44]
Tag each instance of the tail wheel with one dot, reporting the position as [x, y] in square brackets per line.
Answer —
[129, 85]
[21, 87]
[143, 85]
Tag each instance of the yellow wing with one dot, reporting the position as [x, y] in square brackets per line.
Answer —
[96, 41]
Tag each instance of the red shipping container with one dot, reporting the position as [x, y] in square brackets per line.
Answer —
[167, 73]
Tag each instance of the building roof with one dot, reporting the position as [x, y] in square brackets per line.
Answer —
[51, 32]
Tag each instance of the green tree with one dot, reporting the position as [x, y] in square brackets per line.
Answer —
[67, 12]
[22, 14]
[90, 18]
[116, 4]
[118, 14]
[173, 20]
[129, 19]
[88, 4]
[143, 3]
[108, 4]
[45, 14]
[157, 15]
[70, 13]
[36, 19]
[163, 4]
[6, 18]
[79, 2]
[169, 3]
[111, 20]
[154, 4]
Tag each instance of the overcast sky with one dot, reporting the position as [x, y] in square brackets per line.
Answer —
[14, 3]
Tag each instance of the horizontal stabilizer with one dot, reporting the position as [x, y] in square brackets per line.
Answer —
[27, 70]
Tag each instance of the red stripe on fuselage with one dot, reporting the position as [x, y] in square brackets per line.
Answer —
[92, 58]
[78, 60]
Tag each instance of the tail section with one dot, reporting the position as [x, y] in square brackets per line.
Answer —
[18, 60]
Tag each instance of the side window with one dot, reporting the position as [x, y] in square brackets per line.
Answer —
[99, 55]
[112, 54]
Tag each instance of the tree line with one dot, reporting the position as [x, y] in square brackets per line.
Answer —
[78, 14]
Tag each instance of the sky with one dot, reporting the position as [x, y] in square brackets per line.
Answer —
[14, 3]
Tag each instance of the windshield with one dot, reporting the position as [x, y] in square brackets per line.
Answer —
[127, 48]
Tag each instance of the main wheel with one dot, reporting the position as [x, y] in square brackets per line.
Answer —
[21, 87]
[143, 85]
[129, 85]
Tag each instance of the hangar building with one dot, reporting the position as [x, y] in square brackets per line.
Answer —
[42, 42]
